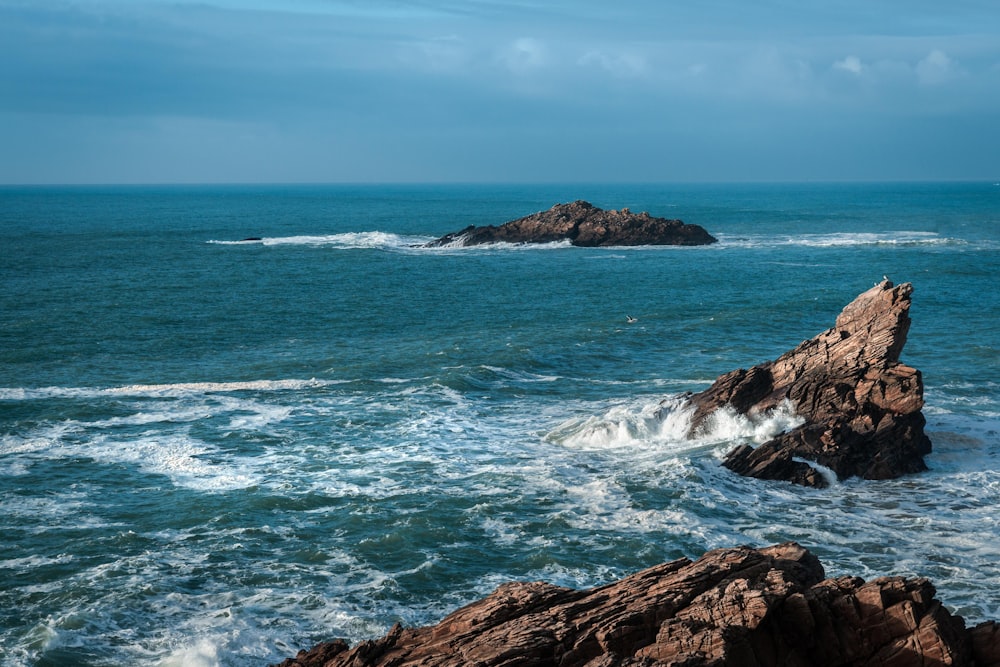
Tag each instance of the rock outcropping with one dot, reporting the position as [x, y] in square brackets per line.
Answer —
[862, 407]
[583, 225]
[740, 606]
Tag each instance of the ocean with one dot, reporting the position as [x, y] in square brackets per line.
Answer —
[216, 451]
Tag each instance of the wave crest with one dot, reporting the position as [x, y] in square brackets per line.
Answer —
[668, 422]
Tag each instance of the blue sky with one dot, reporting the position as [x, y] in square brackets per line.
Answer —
[127, 91]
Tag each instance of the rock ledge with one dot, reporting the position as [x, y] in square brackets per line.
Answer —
[741, 606]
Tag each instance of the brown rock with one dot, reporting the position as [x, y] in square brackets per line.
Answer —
[738, 606]
[583, 225]
[861, 405]
[986, 644]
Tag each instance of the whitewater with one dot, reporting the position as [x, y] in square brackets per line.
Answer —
[217, 450]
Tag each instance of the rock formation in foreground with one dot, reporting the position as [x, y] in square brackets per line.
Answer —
[739, 607]
[860, 404]
[583, 225]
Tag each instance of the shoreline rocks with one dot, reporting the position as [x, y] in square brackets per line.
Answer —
[740, 606]
[862, 406]
[583, 224]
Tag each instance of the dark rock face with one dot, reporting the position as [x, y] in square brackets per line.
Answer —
[584, 225]
[861, 405]
[740, 606]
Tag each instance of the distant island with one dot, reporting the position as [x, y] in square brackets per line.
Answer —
[582, 224]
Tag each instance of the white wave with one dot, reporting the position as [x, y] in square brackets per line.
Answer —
[167, 389]
[203, 653]
[34, 561]
[726, 425]
[828, 475]
[456, 245]
[211, 387]
[186, 461]
[626, 425]
[345, 241]
[841, 239]
[668, 422]
[501, 531]
[520, 376]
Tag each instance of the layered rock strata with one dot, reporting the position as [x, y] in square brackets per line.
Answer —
[740, 606]
[862, 407]
[583, 224]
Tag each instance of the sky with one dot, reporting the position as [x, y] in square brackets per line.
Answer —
[360, 91]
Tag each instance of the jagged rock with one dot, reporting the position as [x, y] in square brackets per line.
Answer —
[862, 407]
[739, 606]
[583, 225]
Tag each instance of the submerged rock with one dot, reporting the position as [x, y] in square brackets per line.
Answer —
[740, 606]
[583, 224]
[862, 407]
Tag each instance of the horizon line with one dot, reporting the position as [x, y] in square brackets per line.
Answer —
[496, 183]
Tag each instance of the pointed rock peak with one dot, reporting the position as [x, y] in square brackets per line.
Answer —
[881, 315]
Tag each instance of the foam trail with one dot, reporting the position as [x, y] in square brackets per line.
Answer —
[828, 475]
[346, 241]
[29, 393]
[209, 387]
[501, 245]
[842, 240]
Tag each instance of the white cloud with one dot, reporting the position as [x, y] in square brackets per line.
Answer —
[524, 54]
[850, 64]
[438, 54]
[698, 69]
[624, 65]
[936, 68]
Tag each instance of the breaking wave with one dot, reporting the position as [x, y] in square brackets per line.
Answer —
[668, 423]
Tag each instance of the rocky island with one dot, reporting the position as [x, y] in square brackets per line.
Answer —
[582, 224]
[862, 407]
[740, 606]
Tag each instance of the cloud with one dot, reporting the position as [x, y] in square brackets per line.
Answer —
[620, 64]
[329, 89]
[524, 54]
[937, 68]
[444, 54]
[850, 64]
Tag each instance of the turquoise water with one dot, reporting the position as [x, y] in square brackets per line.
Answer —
[216, 452]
